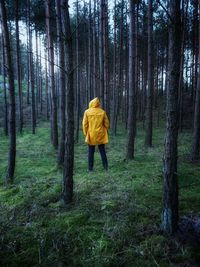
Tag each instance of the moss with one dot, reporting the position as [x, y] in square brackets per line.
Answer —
[114, 219]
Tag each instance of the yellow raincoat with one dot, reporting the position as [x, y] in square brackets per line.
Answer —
[95, 124]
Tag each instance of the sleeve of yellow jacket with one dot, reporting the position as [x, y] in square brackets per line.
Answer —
[85, 124]
[106, 121]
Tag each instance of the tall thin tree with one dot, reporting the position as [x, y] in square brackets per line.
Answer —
[170, 183]
[132, 92]
[49, 30]
[9, 67]
[195, 155]
[18, 66]
[61, 150]
[69, 137]
[150, 78]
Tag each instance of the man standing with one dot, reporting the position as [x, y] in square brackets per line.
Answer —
[95, 128]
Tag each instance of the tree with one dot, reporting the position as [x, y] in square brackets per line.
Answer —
[69, 137]
[61, 151]
[195, 155]
[18, 67]
[31, 74]
[49, 29]
[9, 67]
[170, 184]
[132, 92]
[150, 78]
[4, 90]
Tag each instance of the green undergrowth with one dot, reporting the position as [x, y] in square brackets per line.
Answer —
[114, 219]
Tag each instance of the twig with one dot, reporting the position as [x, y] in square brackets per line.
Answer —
[158, 1]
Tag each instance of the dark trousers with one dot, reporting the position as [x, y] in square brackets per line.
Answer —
[91, 150]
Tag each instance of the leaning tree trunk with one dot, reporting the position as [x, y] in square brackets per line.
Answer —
[195, 155]
[132, 92]
[150, 75]
[61, 151]
[54, 124]
[170, 182]
[9, 67]
[69, 137]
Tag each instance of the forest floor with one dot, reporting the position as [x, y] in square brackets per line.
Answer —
[114, 219]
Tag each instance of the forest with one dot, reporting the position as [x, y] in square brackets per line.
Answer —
[63, 65]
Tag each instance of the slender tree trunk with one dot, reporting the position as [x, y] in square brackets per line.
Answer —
[170, 183]
[115, 98]
[149, 110]
[195, 155]
[18, 67]
[31, 75]
[9, 67]
[132, 93]
[181, 85]
[106, 58]
[46, 87]
[52, 77]
[90, 72]
[69, 138]
[77, 75]
[27, 45]
[94, 51]
[4, 90]
[101, 54]
[61, 151]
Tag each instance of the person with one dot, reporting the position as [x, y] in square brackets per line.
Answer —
[95, 128]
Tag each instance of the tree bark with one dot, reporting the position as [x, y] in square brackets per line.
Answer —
[77, 75]
[9, 67]
[150, 78]
[132, 93]
[18, 67]
[52, 77]
[195, 155]
[61, 151]
[69, 137]
[31, 75]
[4, 90]
[101, 54]
[170, 183]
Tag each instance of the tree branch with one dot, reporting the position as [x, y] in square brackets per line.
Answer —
[164, 8]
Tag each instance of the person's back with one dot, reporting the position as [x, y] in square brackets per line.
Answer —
[95, 128]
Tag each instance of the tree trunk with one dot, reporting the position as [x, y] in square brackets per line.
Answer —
[170, 183]
[149, 110]
[132, 93]
[4, 90]
[195, 155]
[115, 98]
[69, 138]
[52, 77]
[31, 75]
[18, 67]
[61, 151]
[77, 75]
[101, 54]
[9, 67]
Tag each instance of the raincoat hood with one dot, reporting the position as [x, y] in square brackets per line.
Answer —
[94, 103]
[95, 124]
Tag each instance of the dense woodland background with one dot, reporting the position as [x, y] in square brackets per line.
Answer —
[141, 58]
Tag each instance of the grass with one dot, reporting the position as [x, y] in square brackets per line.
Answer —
[114, 219]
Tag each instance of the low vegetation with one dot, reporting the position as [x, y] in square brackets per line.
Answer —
[114, 219]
